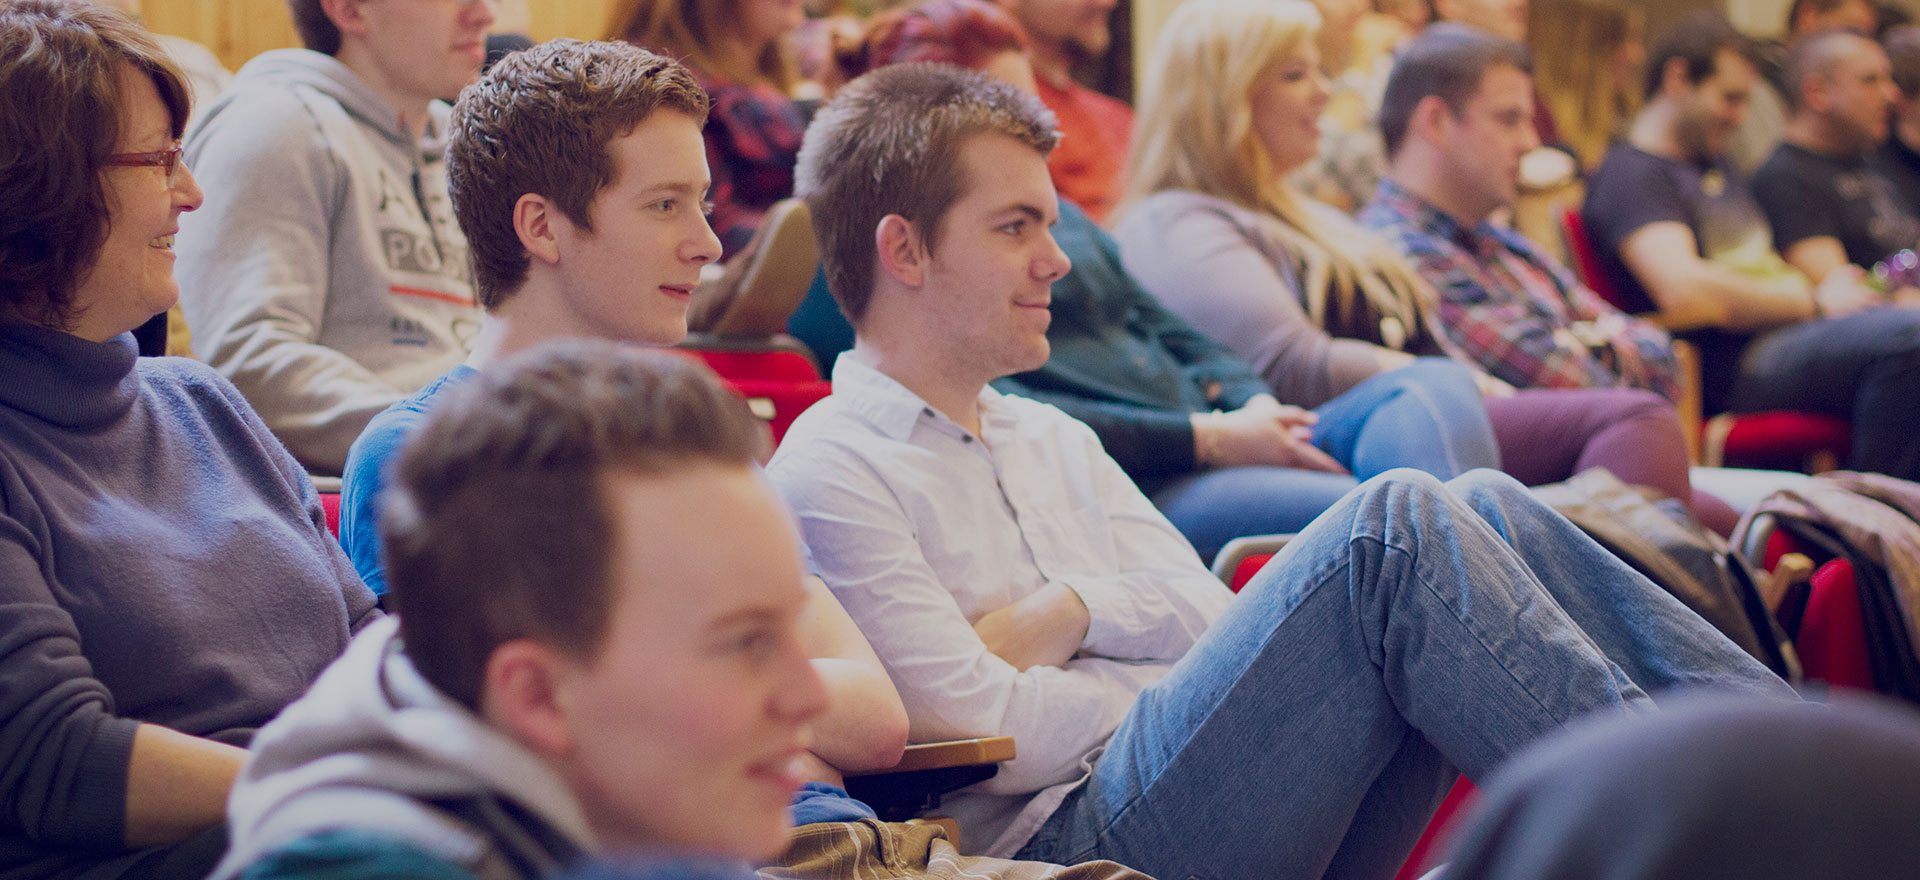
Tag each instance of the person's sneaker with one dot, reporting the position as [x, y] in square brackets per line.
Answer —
[759, 289]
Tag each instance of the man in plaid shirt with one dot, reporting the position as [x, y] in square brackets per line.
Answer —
[1456, 121]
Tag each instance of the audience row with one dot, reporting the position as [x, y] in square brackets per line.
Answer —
[594, 627]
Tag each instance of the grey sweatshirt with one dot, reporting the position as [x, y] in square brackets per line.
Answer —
[325, 275]
[162, 559]
[375, 748]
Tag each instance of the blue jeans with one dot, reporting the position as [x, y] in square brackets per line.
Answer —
[1413, 629]
[1426, 415]
[1864, 367]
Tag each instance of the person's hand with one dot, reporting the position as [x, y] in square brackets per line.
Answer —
[1844, 291]
[1043, 629]
[1263, 432]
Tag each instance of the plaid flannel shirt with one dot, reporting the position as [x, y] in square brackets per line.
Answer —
[1516, 311]
[753, 140]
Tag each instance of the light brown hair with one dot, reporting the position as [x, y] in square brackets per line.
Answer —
[495, 526]
[539, 122]
[889, 143]
[60, 106]
[688, 29]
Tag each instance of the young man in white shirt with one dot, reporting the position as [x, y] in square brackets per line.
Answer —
[1015, 582]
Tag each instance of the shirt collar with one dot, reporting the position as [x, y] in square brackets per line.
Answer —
[889, 406]
[1423, 215]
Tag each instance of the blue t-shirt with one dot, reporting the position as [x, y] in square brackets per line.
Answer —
[365, 477]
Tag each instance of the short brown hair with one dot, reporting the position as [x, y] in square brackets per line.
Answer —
[496, 526]
[1697, 40]
[889, 143]
[539, 122]
[60, 104]
[317, 31]
[1448, 61]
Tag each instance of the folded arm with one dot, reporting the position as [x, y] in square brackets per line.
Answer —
[953, 684]
[1692, 291]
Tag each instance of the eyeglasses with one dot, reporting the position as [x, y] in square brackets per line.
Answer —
[168, 159]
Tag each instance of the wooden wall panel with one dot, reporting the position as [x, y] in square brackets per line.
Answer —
[237, 30]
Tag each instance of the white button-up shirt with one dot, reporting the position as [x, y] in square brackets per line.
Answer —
[921, 528]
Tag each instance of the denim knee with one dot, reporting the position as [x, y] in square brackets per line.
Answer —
[1489, 483]
[1437, 371]
[1418, 480]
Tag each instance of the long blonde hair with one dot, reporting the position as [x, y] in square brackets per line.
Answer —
[1575, 49]
[687, 29]
[1194, 131]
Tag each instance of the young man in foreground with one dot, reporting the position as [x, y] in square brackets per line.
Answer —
[1015, 582]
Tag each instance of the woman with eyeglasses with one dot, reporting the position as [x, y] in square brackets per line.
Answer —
[167, 582]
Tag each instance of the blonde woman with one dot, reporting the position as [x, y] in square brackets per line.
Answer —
[736, 49]
[1231, 106]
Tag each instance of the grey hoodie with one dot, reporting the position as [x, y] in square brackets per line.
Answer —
[373, 747]
[325, 275]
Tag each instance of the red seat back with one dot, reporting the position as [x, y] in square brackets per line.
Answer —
[1833, 635]
[773, 365]
[778, 381]
[1586, 259]
[330, 504]
[1247, 568]
[1832, 641]
[1784, 439]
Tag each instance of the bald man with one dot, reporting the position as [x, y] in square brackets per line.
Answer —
[1827, 204]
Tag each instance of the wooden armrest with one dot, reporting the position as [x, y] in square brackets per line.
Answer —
[927, 772]
[1689, 407]
[953, 753]
[1793, 568]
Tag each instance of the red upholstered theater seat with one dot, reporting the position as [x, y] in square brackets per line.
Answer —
[776, 375]
[771, 364]
[778, 402]
[1832, 639]
[330, 504]
[1246, 569]
[1833, 636]
[1784, 439]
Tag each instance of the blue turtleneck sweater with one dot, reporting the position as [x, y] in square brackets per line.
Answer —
[162, 559]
